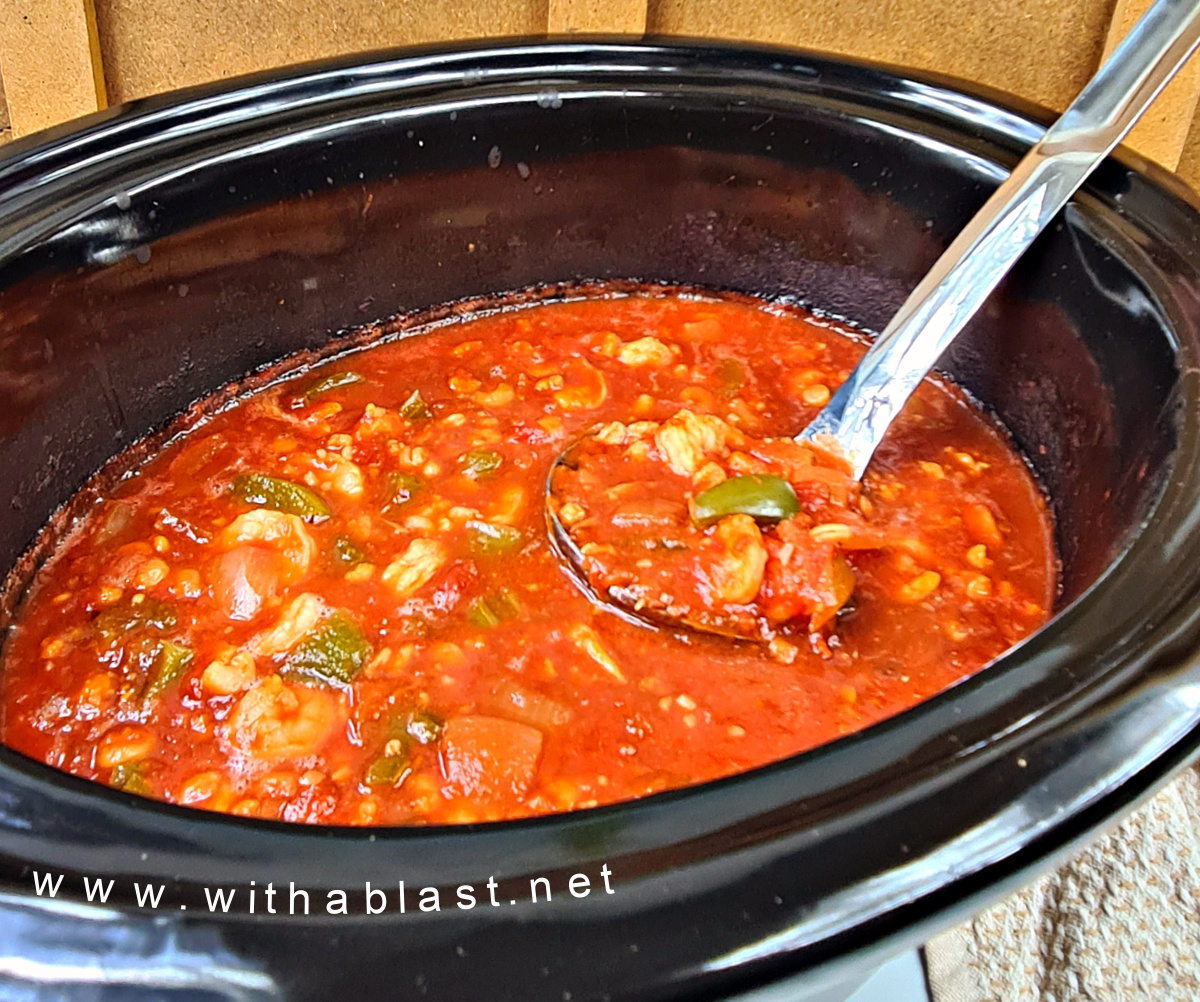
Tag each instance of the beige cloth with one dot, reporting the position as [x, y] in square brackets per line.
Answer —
[1119, 923]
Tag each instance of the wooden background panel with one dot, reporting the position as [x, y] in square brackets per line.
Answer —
[151, 46]
[5, 125]
[1040, 49]
[1043, 50]
[1188, 167]
[622, 16]
[48, 60]
[1162, 132]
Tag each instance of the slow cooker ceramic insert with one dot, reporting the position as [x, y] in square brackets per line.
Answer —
[160, 251]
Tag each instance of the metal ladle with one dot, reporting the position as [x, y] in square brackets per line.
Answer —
[854, 421]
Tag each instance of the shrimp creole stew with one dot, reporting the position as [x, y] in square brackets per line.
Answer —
[334, 600]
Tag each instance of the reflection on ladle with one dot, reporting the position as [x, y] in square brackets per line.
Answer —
[854, 422]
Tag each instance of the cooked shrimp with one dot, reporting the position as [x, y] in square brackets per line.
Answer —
[414, 567]
[648, 350]
[328, 471]
[737, 572]
[379, 422]
[275, 720]
[687, 441]
[283, 533]
[229, 672]
[298, 619]
[585, 386]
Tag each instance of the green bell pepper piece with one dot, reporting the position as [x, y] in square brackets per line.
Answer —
[117, 620]
[418, 725]
[346, 552]
[388, 770]
[334, 381]
[171, 661]
[492, 610]
[479, 463]
[128, 777]
[766, 497]
[731, 376]
[404, 488]
[414, 408]
[333, 653]
[423, 727]
[489, 540]
[280, 495]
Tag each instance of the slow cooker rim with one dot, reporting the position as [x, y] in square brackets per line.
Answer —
[1003, 120]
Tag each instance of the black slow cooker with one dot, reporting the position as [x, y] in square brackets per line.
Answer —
[164, 249]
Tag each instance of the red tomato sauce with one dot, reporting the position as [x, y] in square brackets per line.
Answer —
[335, 602]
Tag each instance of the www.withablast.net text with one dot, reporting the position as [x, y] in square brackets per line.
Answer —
[374, 899]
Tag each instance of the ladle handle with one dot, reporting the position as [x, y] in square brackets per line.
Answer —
[972, 266]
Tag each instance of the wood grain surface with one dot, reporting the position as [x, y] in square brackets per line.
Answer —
[1163, 131]
[1041, 50]
[49, 61]
[150, 46]
[620, 16]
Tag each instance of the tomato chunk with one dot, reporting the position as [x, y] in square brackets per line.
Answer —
[490, 758]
